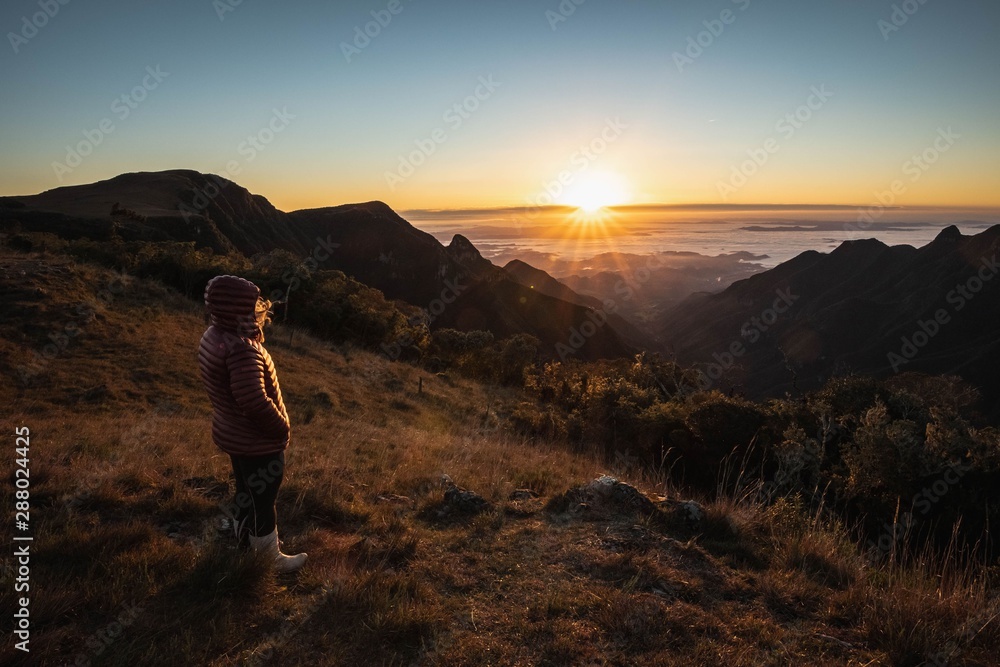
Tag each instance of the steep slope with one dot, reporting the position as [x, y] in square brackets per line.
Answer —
[380, 249]
[454, 283]
[865, 307]
[540, 281]
[179, 205]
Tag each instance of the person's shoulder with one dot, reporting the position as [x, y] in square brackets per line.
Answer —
[258, 347]
[232, 342]
[212, 336]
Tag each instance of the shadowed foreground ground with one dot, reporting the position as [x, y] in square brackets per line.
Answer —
[130, 565]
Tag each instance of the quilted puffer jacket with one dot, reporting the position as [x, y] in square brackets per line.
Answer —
[249, 417]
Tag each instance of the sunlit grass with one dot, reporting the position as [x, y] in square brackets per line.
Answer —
[127, 490]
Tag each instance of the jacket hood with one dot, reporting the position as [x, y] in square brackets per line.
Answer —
[231, 302]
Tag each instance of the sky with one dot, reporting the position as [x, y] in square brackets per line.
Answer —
[449, 104]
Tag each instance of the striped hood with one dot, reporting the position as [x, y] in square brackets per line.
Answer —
[231, 303]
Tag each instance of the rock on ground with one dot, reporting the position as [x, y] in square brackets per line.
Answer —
[608, 497]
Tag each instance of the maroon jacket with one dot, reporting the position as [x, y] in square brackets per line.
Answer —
[249, 417]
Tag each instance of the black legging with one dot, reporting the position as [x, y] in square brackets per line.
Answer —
[257, 482]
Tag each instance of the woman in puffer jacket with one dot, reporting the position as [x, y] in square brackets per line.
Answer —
[249, 420]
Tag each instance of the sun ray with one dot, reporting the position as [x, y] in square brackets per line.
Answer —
[592, 191]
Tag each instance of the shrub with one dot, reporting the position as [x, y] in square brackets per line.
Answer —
[724, 427]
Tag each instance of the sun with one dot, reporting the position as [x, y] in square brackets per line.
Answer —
[593, 190]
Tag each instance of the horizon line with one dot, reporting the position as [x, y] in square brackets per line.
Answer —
[563, 208]
[560, 208]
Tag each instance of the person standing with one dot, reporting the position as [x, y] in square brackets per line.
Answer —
[249, 420]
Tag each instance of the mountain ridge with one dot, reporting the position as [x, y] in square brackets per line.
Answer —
[368, 241]
[857, 309]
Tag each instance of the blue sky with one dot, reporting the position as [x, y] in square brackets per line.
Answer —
[687, 131]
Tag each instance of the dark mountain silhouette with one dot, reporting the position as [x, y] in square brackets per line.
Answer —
[541, 281]
[388, 253]
[382, 250]
[368, 241]
[179, 205]
[864, 307]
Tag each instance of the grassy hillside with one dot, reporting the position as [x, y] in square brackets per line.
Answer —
[131, 563]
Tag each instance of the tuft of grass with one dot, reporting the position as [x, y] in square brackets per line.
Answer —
[822, 558]
[390, 547]
[223, 573]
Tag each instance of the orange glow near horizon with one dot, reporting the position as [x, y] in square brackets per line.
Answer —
[631, 180]
[300, 200]
[591, 191]
[581, 228]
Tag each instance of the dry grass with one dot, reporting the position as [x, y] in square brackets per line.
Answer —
[126, 493]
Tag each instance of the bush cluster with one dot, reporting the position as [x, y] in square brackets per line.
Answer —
[478, 355]
[905, 456]
[326, 302]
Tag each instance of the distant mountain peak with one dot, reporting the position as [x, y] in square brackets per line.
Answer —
[862, 243]
[858, 247]
[460, 244]
[378, 207]
[949, 233]
[854, 310]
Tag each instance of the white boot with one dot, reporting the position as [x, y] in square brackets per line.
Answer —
[269, 545]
